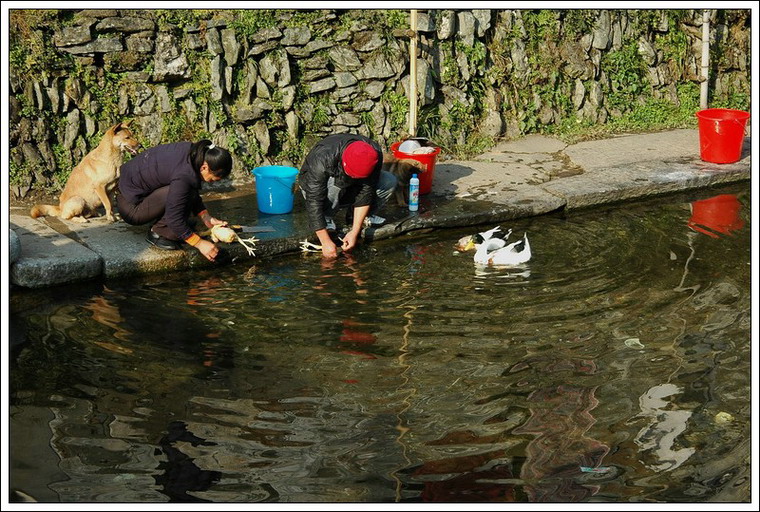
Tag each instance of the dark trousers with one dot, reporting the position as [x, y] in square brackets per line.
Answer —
[150, 209]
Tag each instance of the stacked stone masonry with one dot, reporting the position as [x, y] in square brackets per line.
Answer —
[268, 95]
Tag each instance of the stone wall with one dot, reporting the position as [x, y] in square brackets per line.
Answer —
[267, 84]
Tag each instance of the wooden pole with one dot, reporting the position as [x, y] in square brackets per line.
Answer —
[413, 75]
[705, 58]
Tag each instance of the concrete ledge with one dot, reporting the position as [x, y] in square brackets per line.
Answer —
[524, 201]
[124, 250]
[526, 178]
[483, 180]
[639, 181]
[633, 149]
[49, 258]
[125, 253]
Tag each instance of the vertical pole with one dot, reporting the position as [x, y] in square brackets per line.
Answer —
[413, 75]
[705, 58]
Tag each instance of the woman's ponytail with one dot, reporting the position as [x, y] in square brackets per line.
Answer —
[219, 159]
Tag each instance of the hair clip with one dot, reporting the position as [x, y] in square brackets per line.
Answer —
[212, 146]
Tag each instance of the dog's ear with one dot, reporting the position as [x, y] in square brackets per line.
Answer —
[120, 126]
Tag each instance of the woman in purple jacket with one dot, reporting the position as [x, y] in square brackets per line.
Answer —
[162, 185]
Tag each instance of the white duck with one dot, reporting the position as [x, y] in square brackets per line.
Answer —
[516, 253]
[494, 235]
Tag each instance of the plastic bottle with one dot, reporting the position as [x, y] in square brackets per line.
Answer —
[414, 193]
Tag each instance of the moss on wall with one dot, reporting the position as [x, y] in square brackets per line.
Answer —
[268, 83]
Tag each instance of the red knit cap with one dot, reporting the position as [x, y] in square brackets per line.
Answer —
[359, 159]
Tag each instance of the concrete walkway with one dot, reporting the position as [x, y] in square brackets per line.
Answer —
[532, 176]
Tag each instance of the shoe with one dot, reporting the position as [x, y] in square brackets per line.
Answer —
[373, 220]
[330, 224]
[161, 242]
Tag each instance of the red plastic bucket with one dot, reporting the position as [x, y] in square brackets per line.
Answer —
[719, 214]
[721, 134]
[428, 159]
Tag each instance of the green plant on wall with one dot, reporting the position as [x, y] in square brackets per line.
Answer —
[428, 121]
[541, 25]
[62, 158]
[526, 95]
[247, 151]
[32, 53]
[457, 130]
[576, 22]
[626, 73]
[105, 88]
[382, 20]
[247, 23]
[673, 44]
[176, 127]
[476, 55]
[499, 60]
[458, 120]
[650, 115]
[644, 21]
[733, 98]
[368, 121]
[289, 149]
[314, 110]
[167, 19]
[398, 110]
[16, 173]
[450, 74]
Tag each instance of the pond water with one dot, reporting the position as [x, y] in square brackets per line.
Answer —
[613, 367]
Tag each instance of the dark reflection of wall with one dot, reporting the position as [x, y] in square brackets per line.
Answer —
[479, 480]
[95, 356]
[232, 385]
[178, 475]
[138, 384]
[554, 458]
[551, 467]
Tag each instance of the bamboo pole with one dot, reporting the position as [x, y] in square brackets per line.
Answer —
[705, 58]
[413, 75]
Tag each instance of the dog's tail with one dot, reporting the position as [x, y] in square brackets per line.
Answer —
[42, 210]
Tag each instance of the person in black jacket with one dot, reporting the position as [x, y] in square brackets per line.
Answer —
[343, 170]
[162, 185]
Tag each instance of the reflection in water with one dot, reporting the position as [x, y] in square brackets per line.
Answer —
[666, 424]
[391, 375]
[560, 420]
[716, 215]
[481, 478]
[179, 475]
[105, 312]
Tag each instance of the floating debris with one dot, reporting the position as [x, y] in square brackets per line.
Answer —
[600, 469]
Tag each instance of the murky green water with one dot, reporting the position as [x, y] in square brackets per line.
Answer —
[614, 367]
